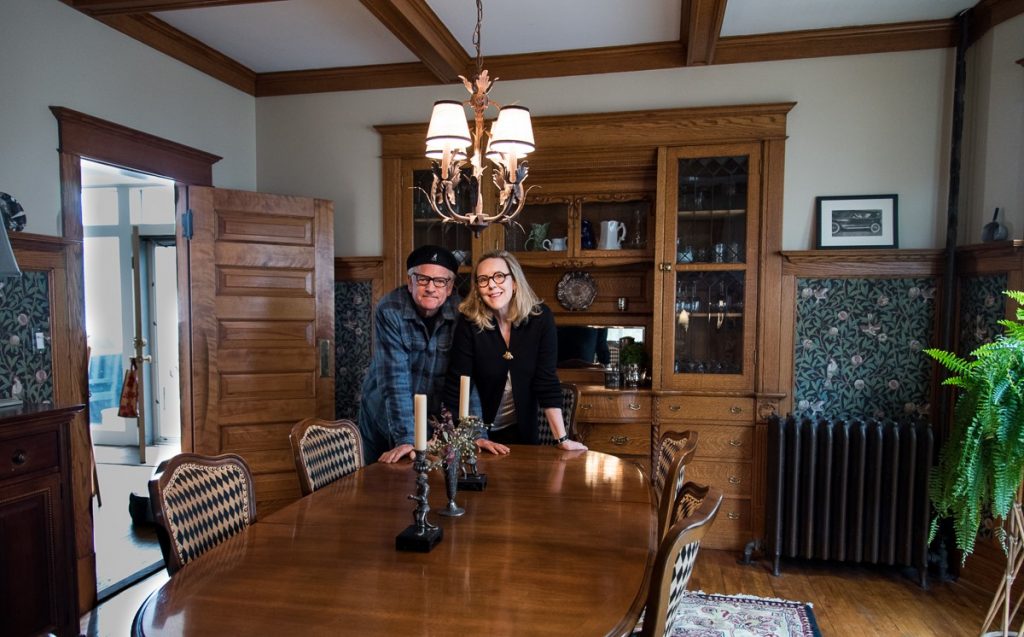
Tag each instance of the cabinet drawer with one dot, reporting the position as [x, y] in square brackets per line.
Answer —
[731, 529]
[706, 408]
[26, 454]
[624, 406]
[719, 441]
[733, 478]
[620, 440]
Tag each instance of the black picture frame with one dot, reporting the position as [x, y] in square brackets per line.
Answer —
[857, 221]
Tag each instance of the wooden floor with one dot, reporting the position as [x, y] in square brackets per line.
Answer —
[848, 600]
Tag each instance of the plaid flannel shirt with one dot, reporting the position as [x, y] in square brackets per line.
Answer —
[406, 361]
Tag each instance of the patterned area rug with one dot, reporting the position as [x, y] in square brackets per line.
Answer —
[705, 615]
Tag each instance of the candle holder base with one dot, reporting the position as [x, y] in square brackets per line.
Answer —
[473, 482]
[452, 510]
[418, 540]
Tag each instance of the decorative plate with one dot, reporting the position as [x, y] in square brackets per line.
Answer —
[576, 290]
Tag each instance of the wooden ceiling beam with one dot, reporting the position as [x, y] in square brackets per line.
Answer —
[700, 29]
[422, 32]
[121, 7]
[161, 36]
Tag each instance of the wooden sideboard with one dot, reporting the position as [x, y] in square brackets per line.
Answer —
[38, 581]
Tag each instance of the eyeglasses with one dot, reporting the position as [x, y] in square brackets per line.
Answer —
[423, 280]
[498, 278]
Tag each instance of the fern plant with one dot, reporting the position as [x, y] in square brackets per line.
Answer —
[981, 465]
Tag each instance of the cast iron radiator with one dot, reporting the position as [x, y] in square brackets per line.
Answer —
[852, 491]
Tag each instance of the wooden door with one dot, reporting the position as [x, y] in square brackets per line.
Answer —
[258, 352]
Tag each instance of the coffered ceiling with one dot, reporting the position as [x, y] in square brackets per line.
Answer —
[281, 47]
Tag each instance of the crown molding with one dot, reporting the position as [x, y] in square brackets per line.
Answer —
[123, 7]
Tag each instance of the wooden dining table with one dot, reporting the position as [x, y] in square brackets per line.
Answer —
[559, 543]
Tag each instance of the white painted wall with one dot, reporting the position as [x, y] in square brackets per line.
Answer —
[867, 124]
[53, 55]
[993, 160]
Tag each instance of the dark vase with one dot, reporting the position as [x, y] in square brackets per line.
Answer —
[451, 486]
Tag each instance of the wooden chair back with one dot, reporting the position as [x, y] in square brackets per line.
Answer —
[570, 404]
[694, 514]
[324, 451]
[198, 502]
[675, 450]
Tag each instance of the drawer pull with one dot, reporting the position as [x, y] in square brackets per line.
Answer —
[19, 457]
[634, 406]
[619, 440]
[732, 515]
[735, 410]
[734, 480]
[735, 443]
[586, 406]
[674, 407]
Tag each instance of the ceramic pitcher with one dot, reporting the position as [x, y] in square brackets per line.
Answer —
[612, 234]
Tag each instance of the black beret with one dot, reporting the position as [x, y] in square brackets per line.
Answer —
[435, 255]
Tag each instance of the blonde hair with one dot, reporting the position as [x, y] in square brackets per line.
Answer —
[524, 304]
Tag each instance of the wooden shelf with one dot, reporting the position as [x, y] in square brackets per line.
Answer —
[707, 215]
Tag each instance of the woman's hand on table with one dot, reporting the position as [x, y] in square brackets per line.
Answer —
[497, 449]
[572, 445]
[397, 454]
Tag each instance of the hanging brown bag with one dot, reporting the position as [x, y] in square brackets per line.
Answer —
[129, 407]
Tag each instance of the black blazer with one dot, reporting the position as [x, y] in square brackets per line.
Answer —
[479, 354]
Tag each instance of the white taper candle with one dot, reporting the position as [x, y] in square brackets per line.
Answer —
[463, 397]
[420, 420]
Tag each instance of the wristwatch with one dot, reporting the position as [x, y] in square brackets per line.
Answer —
[562, 439]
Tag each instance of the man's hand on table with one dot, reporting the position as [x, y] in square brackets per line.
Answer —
[396, 454]
[493, 447]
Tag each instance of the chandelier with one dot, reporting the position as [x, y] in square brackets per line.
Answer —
[458, 165]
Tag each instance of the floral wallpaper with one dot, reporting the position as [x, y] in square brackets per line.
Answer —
[24, 311]
[982, 305]
[353, 316]
[858, 347]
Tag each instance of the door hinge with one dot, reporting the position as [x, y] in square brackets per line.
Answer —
[186, 224]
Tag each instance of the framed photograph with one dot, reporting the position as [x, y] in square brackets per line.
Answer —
[857, 221]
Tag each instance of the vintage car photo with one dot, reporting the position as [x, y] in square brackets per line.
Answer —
[856, 223]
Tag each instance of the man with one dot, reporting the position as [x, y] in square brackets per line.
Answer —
[413, 335]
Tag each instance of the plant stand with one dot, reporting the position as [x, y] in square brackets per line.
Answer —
[1014, 561]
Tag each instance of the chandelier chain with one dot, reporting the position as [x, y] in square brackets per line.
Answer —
[476, 36]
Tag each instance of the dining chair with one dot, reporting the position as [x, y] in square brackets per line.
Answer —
[198, 502]
[324, 451]
[675, 450]
[570, 403]
[694, 514]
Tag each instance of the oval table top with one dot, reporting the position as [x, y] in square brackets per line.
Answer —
[559, 543]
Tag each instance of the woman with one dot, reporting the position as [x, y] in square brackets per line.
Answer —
[505, 341]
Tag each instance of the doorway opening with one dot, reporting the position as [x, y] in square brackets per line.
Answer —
[131, 319]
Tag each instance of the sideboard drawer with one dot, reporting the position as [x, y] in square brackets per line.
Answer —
[619, 440]
[733, 478]
[732, 527]
[26, 454]
[616, 406]
[732, 442]
[687, 408]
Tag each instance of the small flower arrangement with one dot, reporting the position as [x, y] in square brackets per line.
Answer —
[453, 441]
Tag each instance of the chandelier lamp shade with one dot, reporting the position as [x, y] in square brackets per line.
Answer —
[458, 153]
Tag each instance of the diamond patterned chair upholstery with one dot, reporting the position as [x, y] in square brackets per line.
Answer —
[695, 512]
[570, 402]
[324, 451]
[198, 502]
[675, 450]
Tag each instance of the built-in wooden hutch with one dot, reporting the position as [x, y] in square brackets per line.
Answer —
[699, 192]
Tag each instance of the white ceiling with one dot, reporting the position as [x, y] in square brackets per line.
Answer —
[291, 35]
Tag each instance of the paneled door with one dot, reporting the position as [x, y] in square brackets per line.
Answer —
[258, 352]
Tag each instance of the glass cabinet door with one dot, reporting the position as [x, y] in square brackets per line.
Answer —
[710, 260]
[430, 229]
